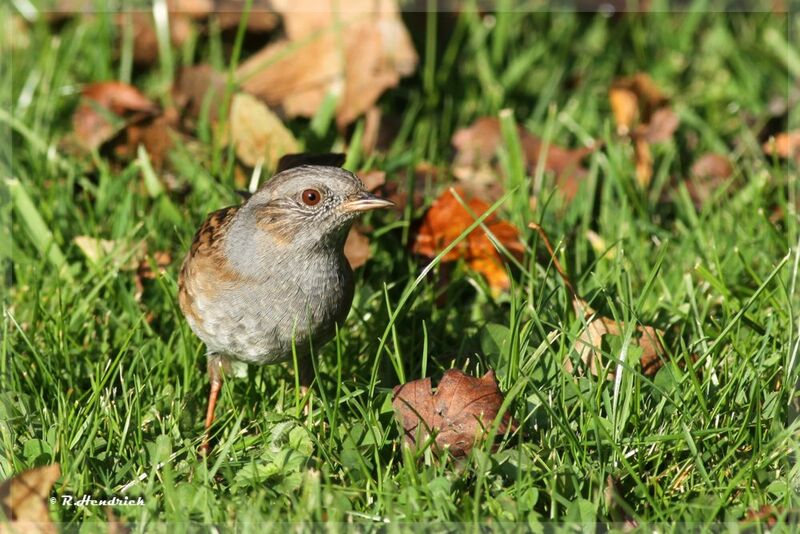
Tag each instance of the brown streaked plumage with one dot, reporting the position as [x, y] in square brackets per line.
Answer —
[269, 277]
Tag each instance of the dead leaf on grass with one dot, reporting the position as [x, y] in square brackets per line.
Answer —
[257, 134]
[475, 164]
[458, 414]
[641, 111]
[197, 87]
[145, 38]
[710, 172]
[105, 109]
[588, 345]
[373, 179]
[785, 145]
[353, 51]
[356, 248]
[447, 218]
[123, 256]
[144, 270]
[25, 501]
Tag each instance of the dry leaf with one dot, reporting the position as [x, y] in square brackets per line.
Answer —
[257, 134]
[589, 342]
[356, 248]
[447, 219]
[475, 162]
[125, 256]
[353, 50]
[633, 99]
[145, 38]
[766, 515]
[589, 347]
[625, 107]
[113, 524]
[105, 109]
[155, 134]
[662, 125]
[228, 13]
[144, 271]
[644, 162]
[25, 498]
[197, 84]
[373, 179]
[641, 111]
[708, 173]
[711, 165]
[460, 412]
[785, 145]
[565, 163]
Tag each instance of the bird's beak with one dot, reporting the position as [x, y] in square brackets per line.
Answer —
[365, 202]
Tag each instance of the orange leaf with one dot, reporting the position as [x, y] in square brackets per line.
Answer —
[447, 218]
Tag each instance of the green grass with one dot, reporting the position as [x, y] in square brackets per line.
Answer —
[114, 389]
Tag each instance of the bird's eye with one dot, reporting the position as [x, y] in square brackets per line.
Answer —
[311, 197]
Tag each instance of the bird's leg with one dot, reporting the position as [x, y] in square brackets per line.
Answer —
[215, 374]
[305, 378]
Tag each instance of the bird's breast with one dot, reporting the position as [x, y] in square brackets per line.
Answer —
[257, 320]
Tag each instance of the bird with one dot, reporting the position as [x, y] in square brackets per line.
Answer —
[270, 276]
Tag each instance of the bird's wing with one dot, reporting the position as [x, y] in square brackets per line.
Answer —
[212, 229]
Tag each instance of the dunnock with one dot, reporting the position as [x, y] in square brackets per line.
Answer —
[271, 273]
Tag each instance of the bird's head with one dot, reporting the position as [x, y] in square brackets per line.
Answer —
[309, 206]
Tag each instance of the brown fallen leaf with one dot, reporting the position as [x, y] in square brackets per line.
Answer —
[373, 179]
[458, 414]
[588, 345]
[766, 514]
[198, 86]
[145, 38]
[257, 134]
[144, 271]
[356, 248]
[113, 524]
[447, 218]
[641, 111]
[106, 108]
[353, 51]
[228, 13]
[424, 176]
[785, 145]
[123, 256]
[710, 172]
[663, 123]
[155, 134]
[475, 163]
[24, 500]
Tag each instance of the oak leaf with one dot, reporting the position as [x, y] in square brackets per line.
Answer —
[459, 413]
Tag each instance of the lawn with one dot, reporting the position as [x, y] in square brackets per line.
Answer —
[103, 376]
